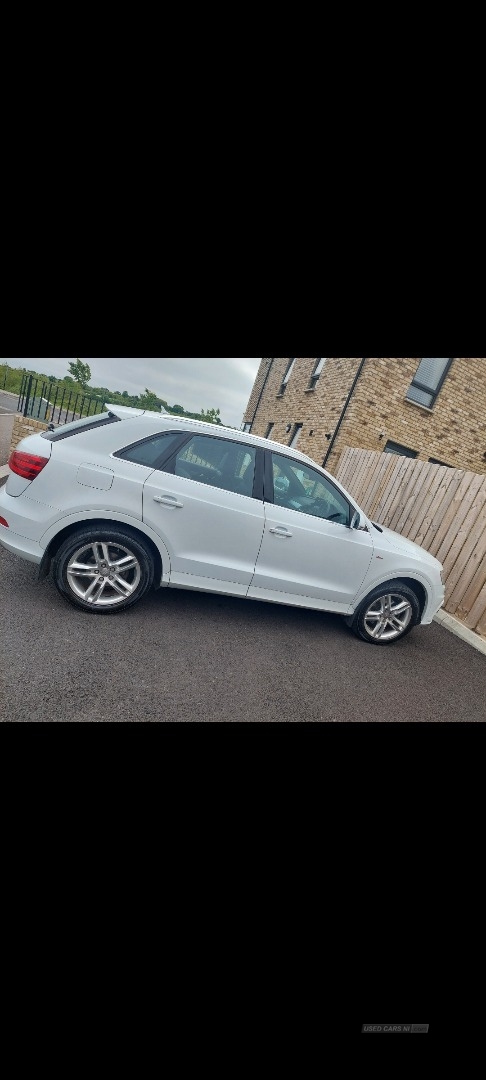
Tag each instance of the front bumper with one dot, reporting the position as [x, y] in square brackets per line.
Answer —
[436, 600]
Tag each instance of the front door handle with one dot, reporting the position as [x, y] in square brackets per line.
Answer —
[168, 500]
[280, 531]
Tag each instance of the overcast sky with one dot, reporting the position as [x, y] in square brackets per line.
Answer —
[223, 383]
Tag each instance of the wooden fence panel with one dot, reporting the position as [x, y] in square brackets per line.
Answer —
[443, 510]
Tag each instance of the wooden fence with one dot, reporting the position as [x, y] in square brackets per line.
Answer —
[443, 510]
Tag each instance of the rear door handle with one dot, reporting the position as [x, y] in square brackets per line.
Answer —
[168, 500]
[280, 531]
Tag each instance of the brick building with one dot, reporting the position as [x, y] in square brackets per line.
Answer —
[433, 408]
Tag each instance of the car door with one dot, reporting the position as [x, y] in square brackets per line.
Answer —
[308, 549]
[202, 505]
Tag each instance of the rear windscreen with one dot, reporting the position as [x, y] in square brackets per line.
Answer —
[88, 423]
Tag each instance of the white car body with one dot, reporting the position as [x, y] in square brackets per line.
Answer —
[208, 537]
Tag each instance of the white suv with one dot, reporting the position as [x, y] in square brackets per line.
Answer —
[123, 501]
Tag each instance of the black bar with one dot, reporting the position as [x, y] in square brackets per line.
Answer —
[27, 396]
[20, 403]
[62, 403]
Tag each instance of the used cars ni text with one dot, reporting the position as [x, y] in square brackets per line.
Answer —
[128, 500]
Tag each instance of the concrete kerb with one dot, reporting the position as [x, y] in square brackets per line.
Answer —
[461, 631]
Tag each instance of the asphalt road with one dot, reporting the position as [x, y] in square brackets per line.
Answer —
[8, 402]
[183, 656]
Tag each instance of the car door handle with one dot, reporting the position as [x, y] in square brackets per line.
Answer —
[281, 532]
[168, 500]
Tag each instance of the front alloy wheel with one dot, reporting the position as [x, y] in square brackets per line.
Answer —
[387, 615]
[103, 571]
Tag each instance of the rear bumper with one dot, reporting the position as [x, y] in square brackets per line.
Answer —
[20, 545]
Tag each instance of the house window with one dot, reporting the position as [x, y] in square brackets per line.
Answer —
[428, 381]
[246, 427]
[296, 435]
[268, 433]
[287, 376]
[317, 372]
[396, 448]
[435, 461]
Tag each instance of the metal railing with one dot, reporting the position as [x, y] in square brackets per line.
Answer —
[54, 404]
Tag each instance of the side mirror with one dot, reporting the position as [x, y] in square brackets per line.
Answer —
[355, 521]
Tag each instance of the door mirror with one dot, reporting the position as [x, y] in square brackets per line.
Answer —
[355, 521]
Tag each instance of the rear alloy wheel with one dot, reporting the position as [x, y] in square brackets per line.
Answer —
[387, 614]
[104, 571]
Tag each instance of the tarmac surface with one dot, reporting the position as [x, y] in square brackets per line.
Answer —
[183, 656]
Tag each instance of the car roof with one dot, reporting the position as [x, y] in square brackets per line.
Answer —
[124, 413]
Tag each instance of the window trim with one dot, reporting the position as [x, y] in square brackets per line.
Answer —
[427, 389]
[286, 378]
[314, 379]
[412, 454]
[296, 433]
[269, 488]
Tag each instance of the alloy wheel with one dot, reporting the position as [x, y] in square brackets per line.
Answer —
[388, 617]
[103, 574]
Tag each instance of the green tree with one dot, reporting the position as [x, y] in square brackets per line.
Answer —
[211, 416]
[149, 400]
[80, 372]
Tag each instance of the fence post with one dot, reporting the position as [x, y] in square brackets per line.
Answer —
[27, 396]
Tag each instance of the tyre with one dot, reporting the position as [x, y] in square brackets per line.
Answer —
[387, 615]
[103, 570]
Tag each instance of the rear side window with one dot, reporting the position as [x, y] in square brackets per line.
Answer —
[152, 452]
[88, 423]
[217, 462]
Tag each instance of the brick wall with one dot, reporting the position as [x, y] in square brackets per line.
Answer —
[24, 426]
[453, 432]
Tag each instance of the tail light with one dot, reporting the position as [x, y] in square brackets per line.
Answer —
[4, 522]
[27, 465]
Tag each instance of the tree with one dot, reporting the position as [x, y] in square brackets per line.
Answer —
[149, 400]
[80, 372]
[211, 416]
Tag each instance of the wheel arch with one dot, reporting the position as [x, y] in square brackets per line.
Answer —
[80, 525]
[412, 583]
[419, 590]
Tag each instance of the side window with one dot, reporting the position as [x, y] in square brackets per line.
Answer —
[299, 487]
[151, 452]
[218, 462]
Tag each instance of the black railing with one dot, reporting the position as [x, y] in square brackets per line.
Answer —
[54, 404]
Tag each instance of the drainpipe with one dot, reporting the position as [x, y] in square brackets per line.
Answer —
[343, 414]
[262, 390]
